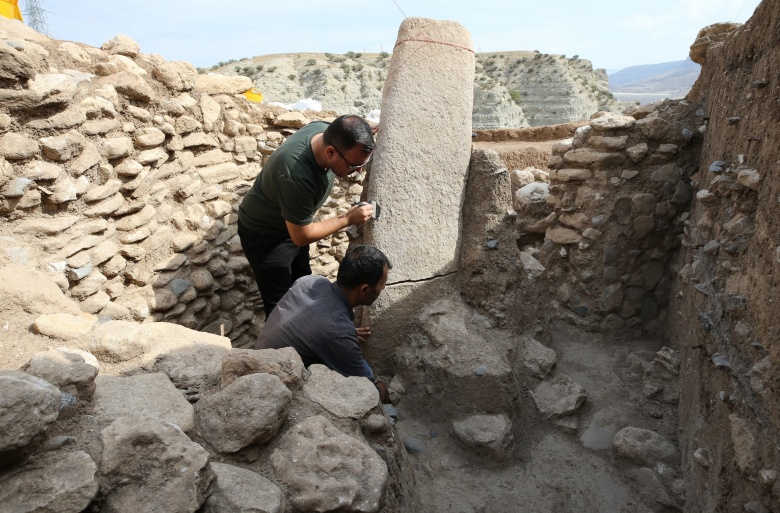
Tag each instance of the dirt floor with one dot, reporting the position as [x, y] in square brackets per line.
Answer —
[552, 470]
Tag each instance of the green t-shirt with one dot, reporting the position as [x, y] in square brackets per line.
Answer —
[291, 187]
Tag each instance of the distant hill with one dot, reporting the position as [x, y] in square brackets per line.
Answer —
[651, 82]
[511, 89]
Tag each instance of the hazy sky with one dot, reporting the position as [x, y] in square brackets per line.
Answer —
[613, 34]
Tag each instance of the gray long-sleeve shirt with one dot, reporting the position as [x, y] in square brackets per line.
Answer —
[315, 318]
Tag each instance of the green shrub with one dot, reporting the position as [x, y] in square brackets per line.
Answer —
[350, 54]
[515, 95]
[271, 69]
[292, 76]
[259, 67]
[383, 55]
[311, 62]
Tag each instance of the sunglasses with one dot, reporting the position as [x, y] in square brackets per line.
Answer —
[353, 167]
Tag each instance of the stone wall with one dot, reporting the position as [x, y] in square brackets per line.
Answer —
[598, 228]
[607, 226]
[121, 174]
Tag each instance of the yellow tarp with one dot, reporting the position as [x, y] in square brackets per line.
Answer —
[254, 95]
[10, 9]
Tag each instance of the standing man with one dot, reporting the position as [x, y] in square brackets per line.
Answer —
[276, 217]
[316, 316]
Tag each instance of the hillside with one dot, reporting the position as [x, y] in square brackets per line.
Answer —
[650, 82]
[511, 89]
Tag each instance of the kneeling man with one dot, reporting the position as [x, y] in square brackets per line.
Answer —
[315, 317]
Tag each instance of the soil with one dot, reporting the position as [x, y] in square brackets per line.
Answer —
[550, 469]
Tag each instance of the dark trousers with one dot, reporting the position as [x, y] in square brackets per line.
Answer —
[276, 263]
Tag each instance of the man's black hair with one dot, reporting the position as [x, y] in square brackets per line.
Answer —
[362, 264]
[347, 131]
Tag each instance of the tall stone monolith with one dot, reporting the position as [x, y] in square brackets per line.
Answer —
[419, 171]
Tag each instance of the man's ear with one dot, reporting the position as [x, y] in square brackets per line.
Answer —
[363, 289]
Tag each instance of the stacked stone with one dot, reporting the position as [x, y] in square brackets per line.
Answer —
[128, 173]
[611, 216]
[142, 434]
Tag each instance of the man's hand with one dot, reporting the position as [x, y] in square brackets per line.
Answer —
[362, 334]
[384, 394]
[359, 214]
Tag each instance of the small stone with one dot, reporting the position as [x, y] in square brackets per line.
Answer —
[702, 457]
[720, 361]
[718, 166]
[749, 178]
[413, 445]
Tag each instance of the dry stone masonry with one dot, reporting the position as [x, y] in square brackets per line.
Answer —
[121, 173]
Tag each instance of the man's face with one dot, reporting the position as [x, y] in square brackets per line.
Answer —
[350, 161]
[371, 293]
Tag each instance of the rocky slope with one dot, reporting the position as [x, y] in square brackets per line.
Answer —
[511, 89]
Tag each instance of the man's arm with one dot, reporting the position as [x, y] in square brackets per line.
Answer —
[312, 232]
[342, 354]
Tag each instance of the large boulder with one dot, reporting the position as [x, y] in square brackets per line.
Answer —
[153, 465]
[54, 482]
[248, 411]
[489, 435]
[285, 364]
[149, 395]
[239, 490]
[28, 406]
[65, 369]
[343, 396]
[326, 470]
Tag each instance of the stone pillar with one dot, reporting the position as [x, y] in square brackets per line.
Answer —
[423, 149]
[419, 174]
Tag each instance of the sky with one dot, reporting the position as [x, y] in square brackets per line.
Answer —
[613, 34]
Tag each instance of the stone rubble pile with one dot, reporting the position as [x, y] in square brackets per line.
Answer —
[121, 174]
[203, 427]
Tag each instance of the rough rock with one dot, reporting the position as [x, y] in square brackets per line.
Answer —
[558, 396]
[150, 462]
[28, 406]
[32, 292]
[249, 411]
[193, 369]
[66, 370]
[490, 435]
[220, 84]
[239, 490]
[17, 146]
[643, 446]
[283, 363]
[122, 45]
[148, 395]
[537, 358]
[177, 75]
[53, 482]
[343, 396]
[64, 326]
[327, 470]
[115, 341]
